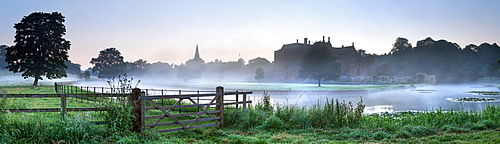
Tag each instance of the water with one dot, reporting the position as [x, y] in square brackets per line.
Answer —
[424, 98]
[420, 98]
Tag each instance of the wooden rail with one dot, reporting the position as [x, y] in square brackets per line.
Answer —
[209, 109]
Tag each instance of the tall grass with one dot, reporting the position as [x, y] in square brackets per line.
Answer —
[428, 123]
[344, 120]
[333, 114]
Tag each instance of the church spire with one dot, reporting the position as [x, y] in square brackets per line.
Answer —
[197, 54]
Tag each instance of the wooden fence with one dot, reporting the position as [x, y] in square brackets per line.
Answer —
[144, 107]
[163, 110]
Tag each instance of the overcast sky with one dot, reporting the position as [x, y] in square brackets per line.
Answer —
[168, 31]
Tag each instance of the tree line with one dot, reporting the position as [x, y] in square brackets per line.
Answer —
[40, 50]
[448, 61]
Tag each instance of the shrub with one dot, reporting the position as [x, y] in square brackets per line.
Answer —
[119, 115]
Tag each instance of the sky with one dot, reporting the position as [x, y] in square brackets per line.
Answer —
[168, 31]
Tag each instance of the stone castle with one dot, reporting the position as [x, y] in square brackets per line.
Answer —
[355, 63]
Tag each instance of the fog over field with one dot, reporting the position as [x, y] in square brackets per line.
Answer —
[400, 98]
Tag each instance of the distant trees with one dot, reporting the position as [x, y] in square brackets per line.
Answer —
[191, 70]
[3, 51]
[259, 74]
[318, 64]
[85, 75]
[73, 68]
[448, 61]
[109, 63]
[401, 45]
[39, 49]
[137, 67]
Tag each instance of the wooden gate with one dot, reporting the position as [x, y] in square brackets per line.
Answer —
[184, 111]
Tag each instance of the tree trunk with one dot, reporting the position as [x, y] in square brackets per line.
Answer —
[319, 82]
[35, 83]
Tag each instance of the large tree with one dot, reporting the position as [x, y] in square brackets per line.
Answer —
[319, 64]
[39, 49]
[109, 63]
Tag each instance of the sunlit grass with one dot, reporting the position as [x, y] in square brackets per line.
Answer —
[23, 89]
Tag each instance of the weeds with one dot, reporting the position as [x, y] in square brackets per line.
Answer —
[123, 85]
[333, 114]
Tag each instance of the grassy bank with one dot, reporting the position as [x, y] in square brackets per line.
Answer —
[333, 122]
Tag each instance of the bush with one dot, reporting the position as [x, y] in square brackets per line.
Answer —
[119, 116]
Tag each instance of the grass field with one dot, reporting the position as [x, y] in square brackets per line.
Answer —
[262, 123]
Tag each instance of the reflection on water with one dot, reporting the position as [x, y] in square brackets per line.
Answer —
[425, 98]
[378, 109]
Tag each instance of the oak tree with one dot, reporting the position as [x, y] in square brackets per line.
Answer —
[109, 63]
[39, 49]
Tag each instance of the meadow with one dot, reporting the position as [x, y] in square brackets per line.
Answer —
[264, 122]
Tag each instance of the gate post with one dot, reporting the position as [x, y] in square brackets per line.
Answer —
[63, 105]
[220, 99]
[136, 103]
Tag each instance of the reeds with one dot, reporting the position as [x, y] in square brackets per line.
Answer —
[333, 114]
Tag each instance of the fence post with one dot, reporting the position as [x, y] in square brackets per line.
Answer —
[220, 99]
[63, 105]
[55, 87]
[136, 103]
[237, 99]
[244, 101]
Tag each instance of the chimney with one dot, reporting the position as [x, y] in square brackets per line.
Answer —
[297, 40]
[323, 38]
[309, 42]
[352, 44]
[305, 40]
[328, 39]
